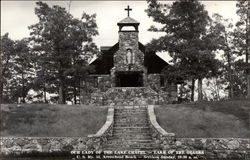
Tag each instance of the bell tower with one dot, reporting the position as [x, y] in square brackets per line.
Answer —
[128, 60]
[128, 21]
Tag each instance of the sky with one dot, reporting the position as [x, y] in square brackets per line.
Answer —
[16, 16]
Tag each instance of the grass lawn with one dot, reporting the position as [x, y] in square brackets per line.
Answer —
[225, 119]
[51, 120]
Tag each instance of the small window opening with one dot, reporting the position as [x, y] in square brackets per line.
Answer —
[96, 82]
[128, 28]
[162, 81]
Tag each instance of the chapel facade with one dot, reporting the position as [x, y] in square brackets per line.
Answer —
[125, 74]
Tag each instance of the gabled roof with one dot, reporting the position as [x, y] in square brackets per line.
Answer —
[128, 20]
[105, 62]
[105, 48]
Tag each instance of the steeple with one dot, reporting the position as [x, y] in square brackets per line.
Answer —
[128, 21]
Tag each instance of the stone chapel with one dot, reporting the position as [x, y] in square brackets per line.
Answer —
[125, 74]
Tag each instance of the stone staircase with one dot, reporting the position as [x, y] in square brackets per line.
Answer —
[131, 130]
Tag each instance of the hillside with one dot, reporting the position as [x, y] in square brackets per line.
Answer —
[193, 120]
[51, 120]
[224, 119]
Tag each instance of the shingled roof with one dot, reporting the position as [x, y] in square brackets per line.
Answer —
[128, 20]
[104, 63]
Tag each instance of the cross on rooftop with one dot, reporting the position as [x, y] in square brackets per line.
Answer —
[128, 9]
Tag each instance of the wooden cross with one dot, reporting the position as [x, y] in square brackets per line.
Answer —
[128, 9]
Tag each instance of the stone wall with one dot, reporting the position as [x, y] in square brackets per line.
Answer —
[130, 96]
[26, 145]
[154, 94]
[167, 93]
[107, 128]
[91, 93]
[159, 135]
[154, 82]
[104, 82]
[213, 148]
[171, 89]
[29, 145]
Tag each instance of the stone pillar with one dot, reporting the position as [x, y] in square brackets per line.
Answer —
[173, 91]
[112, 76]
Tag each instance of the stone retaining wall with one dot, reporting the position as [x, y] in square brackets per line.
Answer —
[95, 95]
[154, 82]
[214, 148]
[130, 96]
[26, 145]
[106, 131]
[159, 135]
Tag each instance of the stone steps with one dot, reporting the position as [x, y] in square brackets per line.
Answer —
[132, 116]
[131, 110]
[131, 107]
[130, 130]
[135, 128]
[130, 125]
[129, 141]
[129, 113]
[130, 119]
[132, 134]
[131, 122]
[124, 120]
[131, 137]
